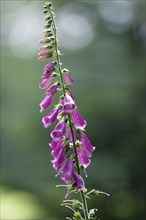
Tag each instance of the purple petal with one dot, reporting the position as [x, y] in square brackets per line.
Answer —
[59, 162]
[83, 158]
[79, 182]
[49, 66]
[86, 144]
[68, 172]
[42, 53]
[47, 101]
[70, 93]
[50, 118]
[57, 149]
[68, 78]
[58, 133]
[46, 74]
[45, 83]
[78, 120]
[68, 104]
[52, 90]
[53, 144]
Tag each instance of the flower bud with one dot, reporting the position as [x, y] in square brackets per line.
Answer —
[92, 213]
[65, 70]
[54, 75]
[96, 193]
[77, 215]
[45, 7]
[49, 21]
[75, 204]
[47, 18]
[45, 11]
[48, 4]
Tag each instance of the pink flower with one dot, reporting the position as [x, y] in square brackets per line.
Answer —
[83, 158]
[46, 102]
[58, 133]
[49, 66]
[68, 172]
[60, 160]
[78, 120]
[68, 78]
[79, 181]
[68, 104]
[46, 74]
[45, 83]
[86, 145]
[50, 118]
[52, 90]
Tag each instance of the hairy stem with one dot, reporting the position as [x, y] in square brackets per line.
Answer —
[83, 198]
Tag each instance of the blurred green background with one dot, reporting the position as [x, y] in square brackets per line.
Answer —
[104, 44]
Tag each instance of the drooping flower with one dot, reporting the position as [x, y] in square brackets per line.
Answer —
[49, 66]
[68, 172]
[42, 58]
[58, 133]
[68, 104]
[53, 144]
[78, 120]
[45, 103]
[79, 181]
[52, 90]
[59, 161]
[68, 78]
[56, 150]
[83, 158]
[45, 83]
[86, 145]
[43, 53]
[50, 118]
[46, 74]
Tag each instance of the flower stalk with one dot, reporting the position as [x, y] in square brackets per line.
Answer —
[85, 207]
[71, 148]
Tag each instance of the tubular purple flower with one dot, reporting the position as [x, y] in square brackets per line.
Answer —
[42, 58]
[43, 53]
[58, 133]
[46, 102]
[53, 144]
[52, 90]
[83, 158]
[79, 181]
[56, 150]
[44, 48]
[45, 83]
[60, 161]
[50, 118]
[78, 120]
[68, 104]
[46, 74]
[49, 66]
[68, 172]
[86, 145]
[68, 78]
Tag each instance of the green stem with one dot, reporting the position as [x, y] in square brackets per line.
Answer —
[83, 198]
